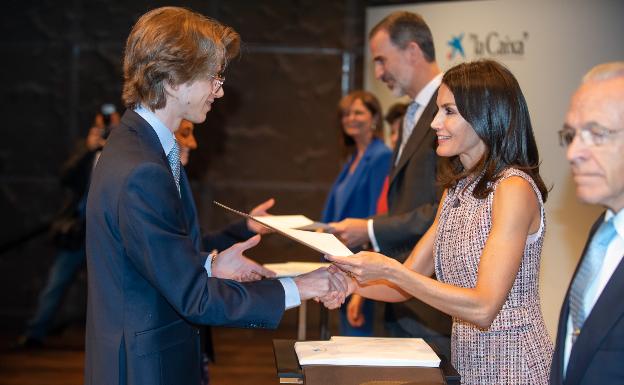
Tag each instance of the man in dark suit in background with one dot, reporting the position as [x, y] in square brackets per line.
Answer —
[404, 58]
[149, 282]
[68, 232]
[590, 336]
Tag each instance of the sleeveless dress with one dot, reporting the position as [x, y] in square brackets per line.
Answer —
[516, 348]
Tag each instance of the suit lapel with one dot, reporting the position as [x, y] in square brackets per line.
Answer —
[147, 134]
[414, 141]
[605, 313]
[395, 151]
[187, 213]
[607, 310]
[557, 374]
[150, 138]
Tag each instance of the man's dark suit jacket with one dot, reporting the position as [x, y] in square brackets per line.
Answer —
[147, 283]
[413, 197]
[597, 356]
[226, 237]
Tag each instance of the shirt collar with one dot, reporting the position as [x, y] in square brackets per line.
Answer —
[618, 221]
[164, 135]
[424, 96]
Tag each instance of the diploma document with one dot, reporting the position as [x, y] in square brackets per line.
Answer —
[324, 243]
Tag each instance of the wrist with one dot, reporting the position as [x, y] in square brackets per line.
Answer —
[300, 283]
[213, 260]
[394, 271]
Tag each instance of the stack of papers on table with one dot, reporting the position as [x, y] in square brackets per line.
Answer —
[367, 351]
[293, 269]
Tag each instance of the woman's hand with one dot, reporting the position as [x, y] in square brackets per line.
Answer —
[367, 266]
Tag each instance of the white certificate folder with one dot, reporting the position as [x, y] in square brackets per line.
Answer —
[367, 351]
[324, 243]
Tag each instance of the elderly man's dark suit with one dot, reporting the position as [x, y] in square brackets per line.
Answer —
[147, 283]
[413, 198]
[597, 356]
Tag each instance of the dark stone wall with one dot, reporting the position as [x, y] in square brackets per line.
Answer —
[274, 134]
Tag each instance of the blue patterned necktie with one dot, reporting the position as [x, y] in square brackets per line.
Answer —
[174, 161]
[409, 121]
[584, 285]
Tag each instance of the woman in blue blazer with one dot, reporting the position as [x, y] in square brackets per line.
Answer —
[356, 190]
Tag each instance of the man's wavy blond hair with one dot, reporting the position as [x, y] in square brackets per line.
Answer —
[172, 45]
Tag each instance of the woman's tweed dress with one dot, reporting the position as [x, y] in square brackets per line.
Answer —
[516, 348]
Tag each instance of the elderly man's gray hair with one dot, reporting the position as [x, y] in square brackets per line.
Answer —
[605, 71]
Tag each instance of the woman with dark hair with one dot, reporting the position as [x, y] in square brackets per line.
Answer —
[357, 188]
[485, 243]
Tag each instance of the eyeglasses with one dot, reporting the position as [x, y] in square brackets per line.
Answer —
[592, 134]
[218, 83]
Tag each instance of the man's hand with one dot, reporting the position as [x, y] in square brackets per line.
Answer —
[95, 138]
[352, 232]
[232, 264]
[329, 286]
[260, 210]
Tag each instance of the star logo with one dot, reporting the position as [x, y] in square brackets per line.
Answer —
[456, 47]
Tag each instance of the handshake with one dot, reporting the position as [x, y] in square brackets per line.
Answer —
[327, 285]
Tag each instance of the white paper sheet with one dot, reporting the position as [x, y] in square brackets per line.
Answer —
[293, 269]
[284, 221]
[325, 243]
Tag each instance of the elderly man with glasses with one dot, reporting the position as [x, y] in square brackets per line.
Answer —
[590, 336]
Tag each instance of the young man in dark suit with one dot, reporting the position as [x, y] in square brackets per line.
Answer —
[149, 281]
[590, 336]
[404, 59]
